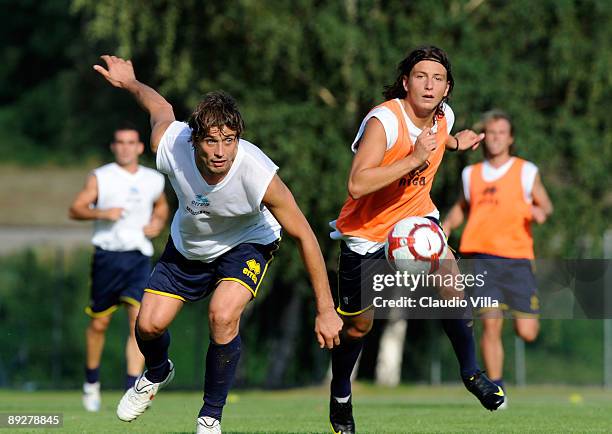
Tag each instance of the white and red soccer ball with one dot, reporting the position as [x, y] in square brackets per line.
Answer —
[416, 245]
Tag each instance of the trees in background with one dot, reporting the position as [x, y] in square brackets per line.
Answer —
[305, 72]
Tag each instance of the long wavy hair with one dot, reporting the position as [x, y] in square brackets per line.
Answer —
[427, 52]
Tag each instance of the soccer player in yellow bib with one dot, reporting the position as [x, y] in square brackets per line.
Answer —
[501, 196]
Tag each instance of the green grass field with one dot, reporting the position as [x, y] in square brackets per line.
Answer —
[402, 410]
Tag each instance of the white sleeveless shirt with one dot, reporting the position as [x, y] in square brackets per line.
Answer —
[135, 193]
[212, 219]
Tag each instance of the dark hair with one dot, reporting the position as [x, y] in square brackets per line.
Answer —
[494, 115]
[126, 126]
[215, 110]
[429, 52]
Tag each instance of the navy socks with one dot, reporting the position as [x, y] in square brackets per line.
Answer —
[92, 375]
[221, 363]
[130, 380]
[155, 353]
[460, 333]
[344, 358]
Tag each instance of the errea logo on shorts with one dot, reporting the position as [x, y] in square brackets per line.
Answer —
[253, 270]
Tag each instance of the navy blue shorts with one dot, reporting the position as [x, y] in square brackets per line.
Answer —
[509, 281]
[116, 277]
[188, 280]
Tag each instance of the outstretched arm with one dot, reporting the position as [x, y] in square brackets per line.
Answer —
[82, 209]
[279, 200]
[463, 140]
[120, 73]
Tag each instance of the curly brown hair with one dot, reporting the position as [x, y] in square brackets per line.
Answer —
[217, 109]
[396, 90]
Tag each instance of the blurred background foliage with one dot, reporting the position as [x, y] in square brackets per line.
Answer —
[304, 72]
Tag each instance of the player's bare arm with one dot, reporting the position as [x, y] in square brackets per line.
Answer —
[456, 215]
[464, 140]
[120, 73]
[542, 205]
[159, 216]
[81, 208]
[279, 200]
[367, 176]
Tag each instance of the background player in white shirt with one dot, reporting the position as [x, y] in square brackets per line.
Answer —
[128, 205]
[232, 205]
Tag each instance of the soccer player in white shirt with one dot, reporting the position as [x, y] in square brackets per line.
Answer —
[232, 206]
[128, 205]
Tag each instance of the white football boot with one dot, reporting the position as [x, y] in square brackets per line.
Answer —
[140, 396]
[208, 425]
[91, 396]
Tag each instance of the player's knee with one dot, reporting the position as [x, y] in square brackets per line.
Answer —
[528, 334]
[99, 325]
[148, 329]
[221, 319]
[358, 329]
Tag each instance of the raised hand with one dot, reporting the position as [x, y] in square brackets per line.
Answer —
[468, 139]
[120, 72]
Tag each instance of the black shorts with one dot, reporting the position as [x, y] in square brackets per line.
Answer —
[191, 280]
[509, 281]
[355, 270]
[116, 277]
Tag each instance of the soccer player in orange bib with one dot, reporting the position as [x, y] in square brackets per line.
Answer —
[502, 196]
[398, 149]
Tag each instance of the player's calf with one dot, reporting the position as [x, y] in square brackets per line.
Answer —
[221, 363]
[527, 328]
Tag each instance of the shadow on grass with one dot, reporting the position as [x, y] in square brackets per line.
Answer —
[423, 406]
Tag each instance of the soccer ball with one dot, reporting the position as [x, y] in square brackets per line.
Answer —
[415, 245]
